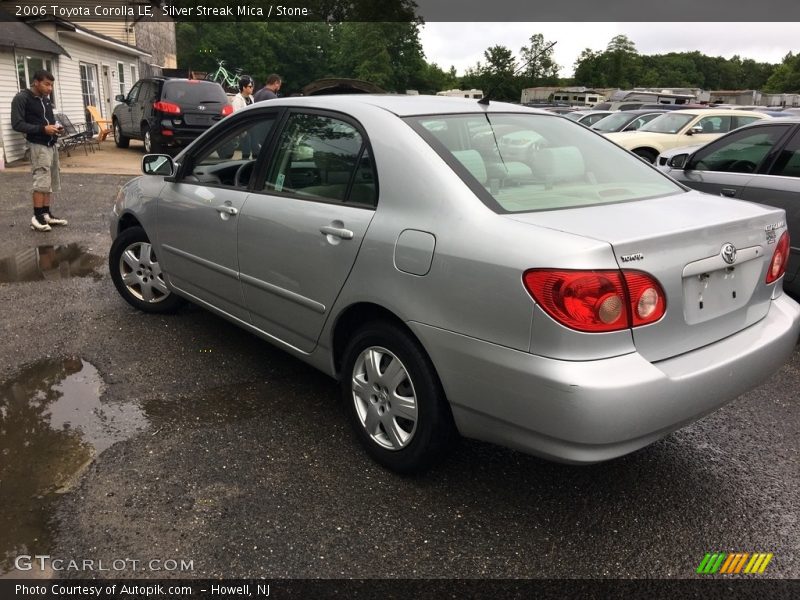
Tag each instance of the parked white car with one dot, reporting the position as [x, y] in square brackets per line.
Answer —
[682, 128]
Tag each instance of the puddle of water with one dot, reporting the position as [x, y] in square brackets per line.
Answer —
[49, 262]
[52, 425]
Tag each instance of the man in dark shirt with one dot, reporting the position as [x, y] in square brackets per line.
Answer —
[32, 114]
[270, 89]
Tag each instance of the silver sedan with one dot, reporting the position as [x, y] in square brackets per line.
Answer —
[569, 300]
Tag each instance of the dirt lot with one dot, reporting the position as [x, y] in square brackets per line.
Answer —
[106, 159]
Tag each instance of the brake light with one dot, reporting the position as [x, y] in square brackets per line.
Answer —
[597, 301]
[167, 107]
[227, 109]
[777, 266]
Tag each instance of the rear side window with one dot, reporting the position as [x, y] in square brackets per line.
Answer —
[788, 162]
[193, 92]
[528, 162]
[323, 158]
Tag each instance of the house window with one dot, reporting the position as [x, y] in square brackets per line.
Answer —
[121, 73]
[28, 65]
[89, 84]
[133, 74]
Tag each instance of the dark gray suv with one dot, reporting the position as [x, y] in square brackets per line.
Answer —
[164, 112]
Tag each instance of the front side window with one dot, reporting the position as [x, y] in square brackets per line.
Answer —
[230, 160]
[322, 158]
[521, 163]
[134, 93]
[740, 152]
[715, 124]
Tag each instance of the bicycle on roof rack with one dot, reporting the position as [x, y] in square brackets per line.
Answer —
[224, 77]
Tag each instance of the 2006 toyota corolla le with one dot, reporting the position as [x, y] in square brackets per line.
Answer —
[570, 300]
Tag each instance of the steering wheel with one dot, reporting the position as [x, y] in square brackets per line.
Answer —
[742, 166]
[242, 176]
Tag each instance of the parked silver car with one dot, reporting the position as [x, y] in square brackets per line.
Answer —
[759, 162]
[572, 302]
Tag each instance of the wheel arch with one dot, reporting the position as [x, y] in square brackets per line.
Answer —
[355, 315]
[126, 221]
[648, 149]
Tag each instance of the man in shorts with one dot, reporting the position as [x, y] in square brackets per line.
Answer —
[32, 114]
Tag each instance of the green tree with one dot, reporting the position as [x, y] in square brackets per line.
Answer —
[539, 67]
[786, 77]
[588, 69]
[621, 59]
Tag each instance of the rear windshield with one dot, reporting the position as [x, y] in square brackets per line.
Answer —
[529, 162]
[193, 92]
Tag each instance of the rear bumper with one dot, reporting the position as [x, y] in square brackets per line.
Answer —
[590, 411]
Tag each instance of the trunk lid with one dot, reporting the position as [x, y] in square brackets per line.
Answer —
[682, 240]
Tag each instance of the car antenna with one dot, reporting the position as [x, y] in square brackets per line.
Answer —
[485, 99]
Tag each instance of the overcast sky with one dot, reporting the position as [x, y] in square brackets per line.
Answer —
[462, 44]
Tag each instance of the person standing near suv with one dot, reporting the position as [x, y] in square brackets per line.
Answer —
[242, 100]
[270, 89]
[32, 114]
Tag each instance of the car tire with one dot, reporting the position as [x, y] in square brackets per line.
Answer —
[394, 399]
[120, 140]
[137, 275]
[151, 146]
[646, 154]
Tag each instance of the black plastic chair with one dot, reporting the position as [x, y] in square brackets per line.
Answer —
[73, 136]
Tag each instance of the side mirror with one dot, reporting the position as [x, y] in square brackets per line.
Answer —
[679, 161]
[695, 129]
[119, 98]
[158, 164]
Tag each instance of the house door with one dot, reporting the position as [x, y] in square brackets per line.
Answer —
[108, 92]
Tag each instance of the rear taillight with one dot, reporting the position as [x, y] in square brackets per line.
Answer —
[167, 107]
[227, 109]
[646, 298]
[597, 301]
[777, 266]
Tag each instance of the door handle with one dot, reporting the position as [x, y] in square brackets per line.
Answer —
[228, 210]
[339, 232]
[729, 192]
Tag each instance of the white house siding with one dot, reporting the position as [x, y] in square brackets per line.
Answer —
[69, 81]
[121, 30]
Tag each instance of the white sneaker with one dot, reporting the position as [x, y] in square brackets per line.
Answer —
[51, 220]
[36, 226]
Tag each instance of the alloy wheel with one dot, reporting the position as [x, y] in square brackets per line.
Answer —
[141, 273]
[384, 398]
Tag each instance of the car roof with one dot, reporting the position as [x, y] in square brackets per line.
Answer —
[402, 105]
[773, 122]
[642, 111]
[711, 112]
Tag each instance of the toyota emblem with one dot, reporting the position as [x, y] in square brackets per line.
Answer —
[728, 253]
